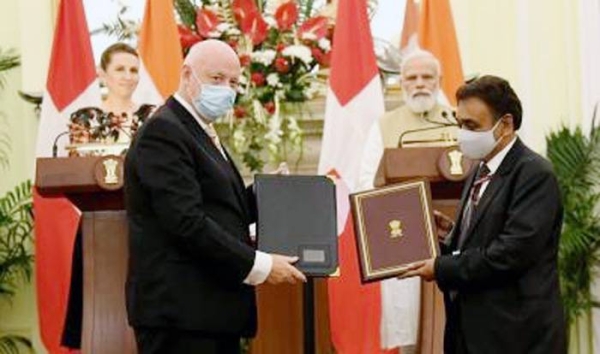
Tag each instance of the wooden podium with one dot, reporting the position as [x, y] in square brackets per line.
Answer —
[446, 169]
[105, 251]
[105, 246]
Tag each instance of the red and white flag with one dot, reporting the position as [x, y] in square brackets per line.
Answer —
[71, 85]
[354, 103]
[160, 53]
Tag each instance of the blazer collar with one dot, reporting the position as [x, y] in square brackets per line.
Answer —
[194, 127]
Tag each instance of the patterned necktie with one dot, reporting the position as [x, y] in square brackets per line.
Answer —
[212, 133]
[483, 176]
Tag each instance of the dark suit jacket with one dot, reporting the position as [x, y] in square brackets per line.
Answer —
[502, 290]
[188, 214]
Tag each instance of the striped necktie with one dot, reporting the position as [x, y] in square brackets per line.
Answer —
[483, 175]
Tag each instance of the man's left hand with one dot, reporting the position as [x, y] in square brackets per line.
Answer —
[423, 269]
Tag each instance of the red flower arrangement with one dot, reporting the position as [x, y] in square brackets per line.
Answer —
[281, 45]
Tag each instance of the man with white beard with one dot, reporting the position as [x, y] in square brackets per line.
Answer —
[421, 121]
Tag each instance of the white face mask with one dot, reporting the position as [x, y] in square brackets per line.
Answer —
[477, 145]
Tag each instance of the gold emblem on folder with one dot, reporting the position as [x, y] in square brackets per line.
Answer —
[396, 229]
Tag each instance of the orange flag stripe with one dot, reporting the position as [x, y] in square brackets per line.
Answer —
[159, 46]
[437, 35]
[411, 22]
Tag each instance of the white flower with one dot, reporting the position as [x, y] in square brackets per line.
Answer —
[214, 34]
[223, 26]
[293, 124]
[239, 140]
[309, 36]
[275, 133]
[294, 131]
[301, 52]
[281, 93]
[324, 44]
[312, 90]
[273, 79]
[233, 31]
[216, 8]
[270, 21]
[264, 57]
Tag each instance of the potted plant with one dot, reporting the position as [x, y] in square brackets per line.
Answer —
[16, 228]
[576, 160]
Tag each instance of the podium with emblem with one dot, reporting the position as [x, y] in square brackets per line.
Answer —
[446, 169]
[94, 184]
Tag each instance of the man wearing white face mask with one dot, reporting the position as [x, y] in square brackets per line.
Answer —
[192, 266]
[498, 267]
[421, 121]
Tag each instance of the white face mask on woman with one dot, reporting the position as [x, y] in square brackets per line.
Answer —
[477, 145]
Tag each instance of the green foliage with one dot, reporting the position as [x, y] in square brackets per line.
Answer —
[122, 28]
[576, 160]
[8, 60]
[16, 229]
[11, 344]
[186, 9]
[16, 232]
[4, 144]
[306, 9]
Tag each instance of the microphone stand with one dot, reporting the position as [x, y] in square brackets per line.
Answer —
[440, 125]
[55, 144]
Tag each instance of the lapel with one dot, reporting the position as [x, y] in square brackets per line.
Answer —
[495, 185]
[207, 145]
[239, 186]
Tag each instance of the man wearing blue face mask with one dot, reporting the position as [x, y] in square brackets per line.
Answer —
[498, 268]
[192, 267]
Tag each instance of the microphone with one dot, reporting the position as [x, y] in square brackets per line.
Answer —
[438, 125]
[412, 131]
[55, 144]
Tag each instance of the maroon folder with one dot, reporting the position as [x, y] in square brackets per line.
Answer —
[394, 227]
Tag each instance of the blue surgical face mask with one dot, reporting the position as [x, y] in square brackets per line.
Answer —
[213, 101]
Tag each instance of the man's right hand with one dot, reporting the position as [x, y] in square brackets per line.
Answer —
[283, 270]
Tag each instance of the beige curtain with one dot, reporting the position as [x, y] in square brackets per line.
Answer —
[54, 10]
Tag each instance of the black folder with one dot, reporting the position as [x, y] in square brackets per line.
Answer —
[297, 217]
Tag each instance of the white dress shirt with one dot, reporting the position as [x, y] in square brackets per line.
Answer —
[263, 262]
[494, 163]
